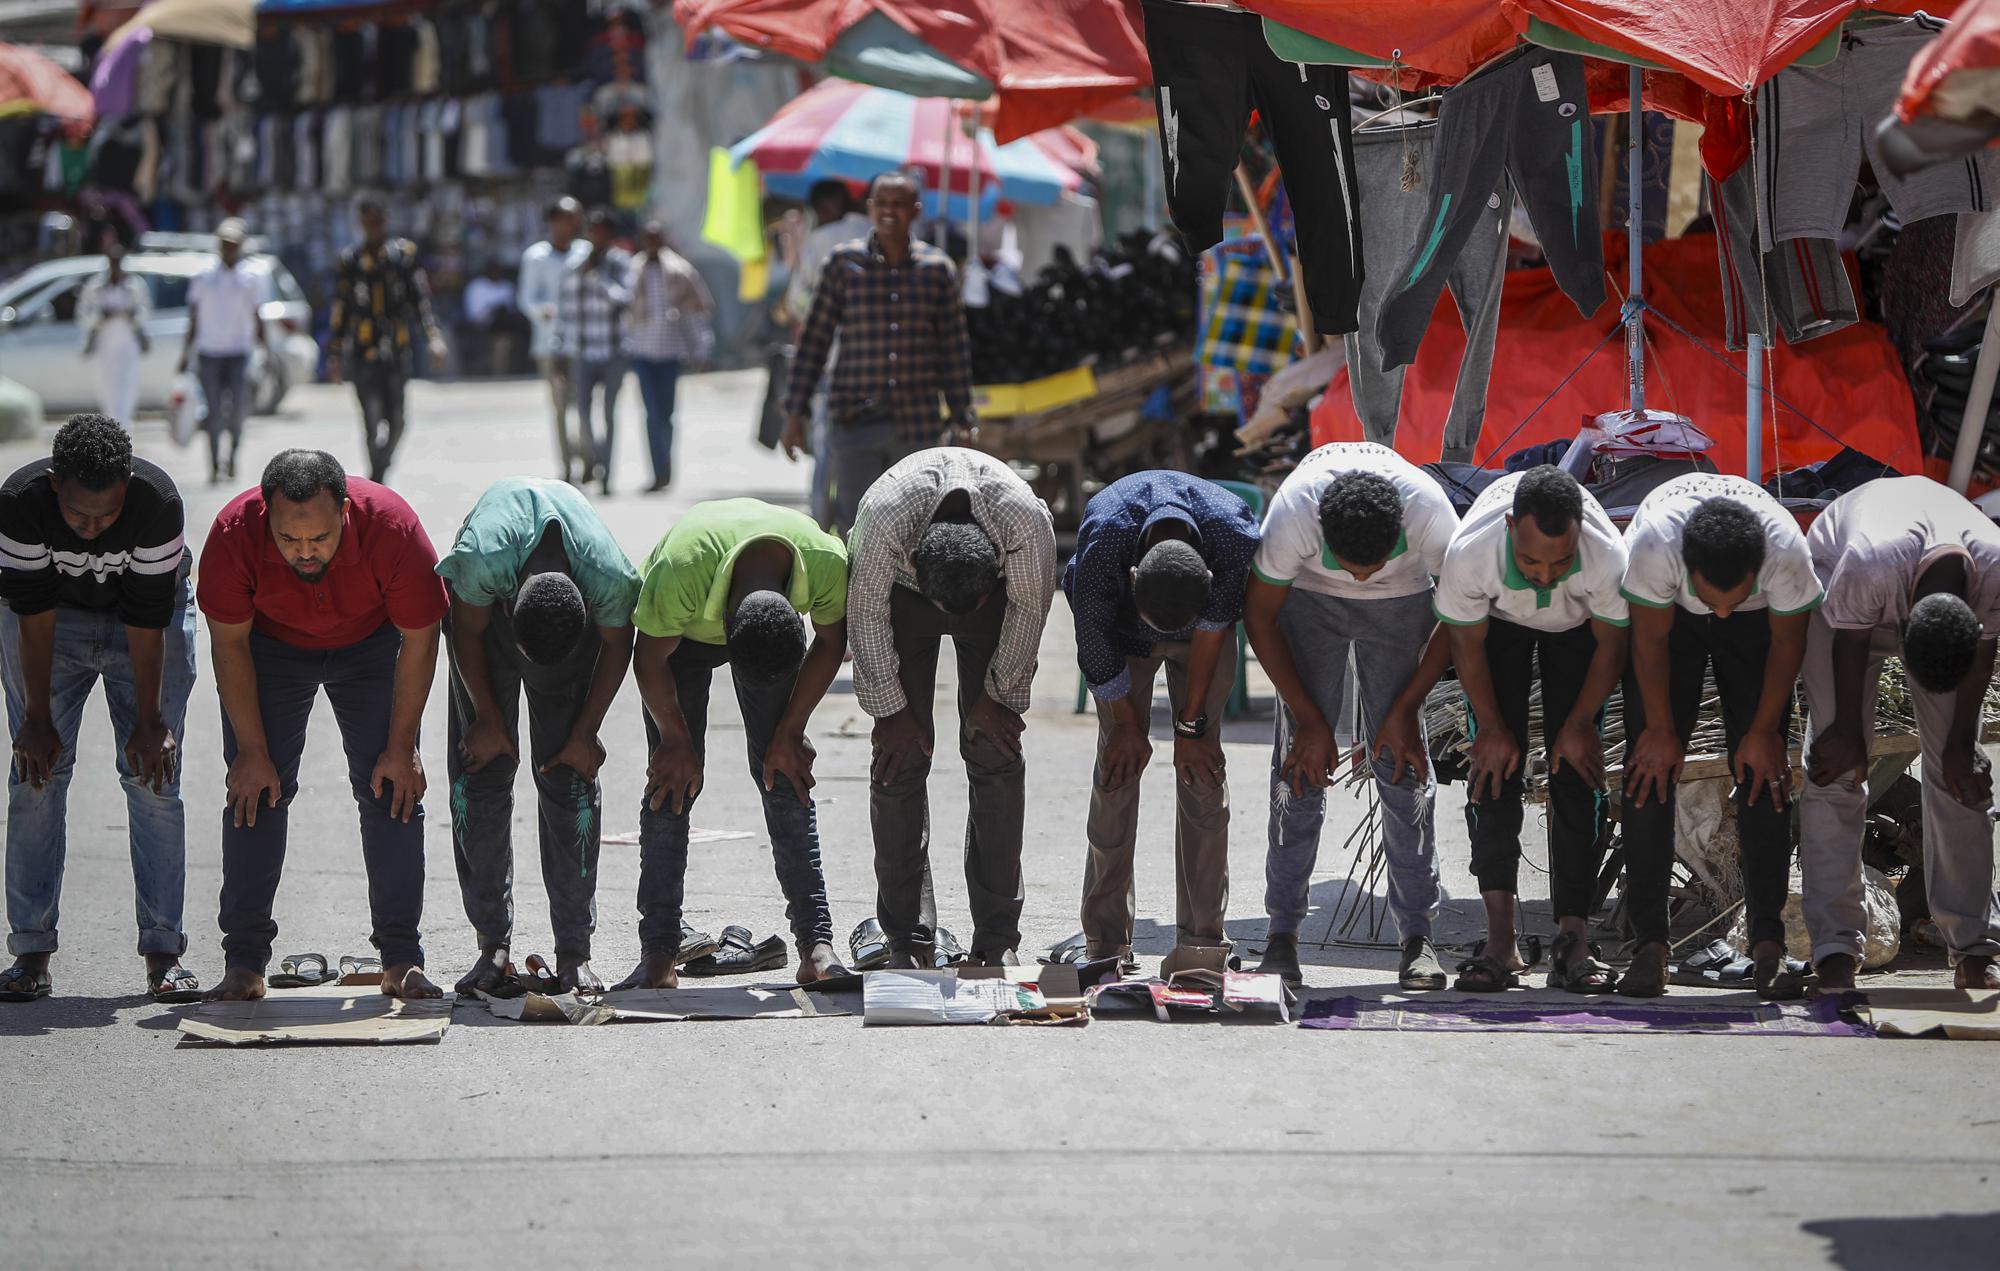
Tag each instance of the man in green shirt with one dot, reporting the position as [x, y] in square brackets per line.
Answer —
[532, 570]
[728, 584]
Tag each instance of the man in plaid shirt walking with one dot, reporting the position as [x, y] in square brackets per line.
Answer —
[903, 379]
[590, 334]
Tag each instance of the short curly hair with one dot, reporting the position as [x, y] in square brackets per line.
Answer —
[300, 475]
[1361, 515]
[1172, 585]
[549, 617]
[766, 639]
[1940, 642]
[1723, 541]
[92, 450]
[1551, 496]
[956, 565]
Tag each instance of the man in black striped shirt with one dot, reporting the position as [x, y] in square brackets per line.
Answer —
[94, 576]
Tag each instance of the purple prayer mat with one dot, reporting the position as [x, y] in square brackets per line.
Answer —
[1817, 1018]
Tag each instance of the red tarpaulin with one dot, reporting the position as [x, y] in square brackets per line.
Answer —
[1064, 59]
[1954, 75]
[1850, 382]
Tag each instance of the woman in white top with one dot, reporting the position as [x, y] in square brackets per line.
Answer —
[112, 312]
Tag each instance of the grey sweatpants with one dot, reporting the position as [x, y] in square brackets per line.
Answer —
[1958, 841]
[1803, 283]
[1388, 638]
[1392, 218]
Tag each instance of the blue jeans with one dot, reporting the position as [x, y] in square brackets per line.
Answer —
[599, 380]
[89, 647]
[1388, 638]
[793, 826]
[360, 683]
[657, 380]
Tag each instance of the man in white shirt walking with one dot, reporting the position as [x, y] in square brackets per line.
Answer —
[539, 294]
[223, 324]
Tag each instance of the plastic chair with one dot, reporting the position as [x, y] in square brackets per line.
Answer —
[1239, 693]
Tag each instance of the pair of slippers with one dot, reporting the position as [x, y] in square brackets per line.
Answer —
[737, 953]
[310, 970]
[869, 945]
[173, 987]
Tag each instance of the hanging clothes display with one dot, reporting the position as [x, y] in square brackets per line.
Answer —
[1802, 283]
[1211, 68]
[1525, 118]
[1815, 123]
[1391, 222]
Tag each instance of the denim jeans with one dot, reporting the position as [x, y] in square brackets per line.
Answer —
[658, 379]
[225, 390]
[996, 789]
[90, 647]
[482, 802]
[793, 826]
[1387, 637]
[597, 380]
[360, 683]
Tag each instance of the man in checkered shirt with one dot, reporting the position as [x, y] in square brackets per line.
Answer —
[950, 542]
[904, 358]
[590, 334]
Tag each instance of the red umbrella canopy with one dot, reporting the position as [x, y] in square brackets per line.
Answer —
[1064, 59]
[32, 84]
[962, 31]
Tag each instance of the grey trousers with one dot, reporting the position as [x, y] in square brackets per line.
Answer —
[1392, 218]
[1201, 821]
[1802, 282]
[1387, 637]
[1958, 841]
[996, 782]
[482, 803]
[858, 455]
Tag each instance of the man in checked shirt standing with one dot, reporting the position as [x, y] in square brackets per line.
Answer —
[948, 543]
[893, 302]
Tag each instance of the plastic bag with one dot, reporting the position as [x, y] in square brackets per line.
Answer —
[185, 408]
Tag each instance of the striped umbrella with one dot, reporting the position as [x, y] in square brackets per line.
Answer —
[850, 132]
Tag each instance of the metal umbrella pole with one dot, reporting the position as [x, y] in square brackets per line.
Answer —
[944, 180]
[1978, 400]
[1635, 303]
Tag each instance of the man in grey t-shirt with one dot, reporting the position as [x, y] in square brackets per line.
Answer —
[1911, 570]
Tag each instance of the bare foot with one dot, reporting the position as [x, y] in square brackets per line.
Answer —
[575, 975]
[239, 984]
[819, 963]
[655, 971]
[1976, 971]
[486, 973]
[408, 983]
[1836, 973]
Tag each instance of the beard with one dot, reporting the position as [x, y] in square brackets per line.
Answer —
[313, 575]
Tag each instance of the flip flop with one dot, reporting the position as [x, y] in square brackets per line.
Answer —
[301, 971]
[176, 985]
[869, 945]
[537, 976]
[18, 984]
[359, 968]
[949, 952]
[694, 944]
[740, 954]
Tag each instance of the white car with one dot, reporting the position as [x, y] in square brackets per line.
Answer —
[42, 348]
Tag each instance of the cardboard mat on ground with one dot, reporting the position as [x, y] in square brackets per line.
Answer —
[1954, 1014]
[668, 1005]
[331, 1014]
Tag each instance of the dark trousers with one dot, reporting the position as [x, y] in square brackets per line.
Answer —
[1576, 811]
[793, 826]
[658, 379]
[360, 682]
[1737, 647]
[226, 390]
[996, 789]
[1211, 67]
[379, 387]
[859, 454]
[482, 803]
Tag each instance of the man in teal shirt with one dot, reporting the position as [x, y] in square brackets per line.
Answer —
[532, 570]
[728, 584]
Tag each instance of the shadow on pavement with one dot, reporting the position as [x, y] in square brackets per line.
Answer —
[1942, 1242]
[63, 1014]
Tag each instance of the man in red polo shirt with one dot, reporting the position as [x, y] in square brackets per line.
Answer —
[315, 580]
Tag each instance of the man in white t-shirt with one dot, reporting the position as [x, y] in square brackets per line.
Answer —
[1533, 576]
[1350, 545]
[539, 294]
[1911, 570]
[223, 325]
[1718, 575]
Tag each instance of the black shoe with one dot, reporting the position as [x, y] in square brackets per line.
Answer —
[1281, 957]
[1419, 970]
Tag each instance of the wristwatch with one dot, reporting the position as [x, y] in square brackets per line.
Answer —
[1193, 729]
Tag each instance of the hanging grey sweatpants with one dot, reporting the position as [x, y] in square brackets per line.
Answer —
[1958, 841]
[1391, 220]
[1804, 280]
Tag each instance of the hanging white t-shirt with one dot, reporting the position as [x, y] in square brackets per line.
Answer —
[1294, 548]
[1480, 579]
[1870, 544]
[1656, 575]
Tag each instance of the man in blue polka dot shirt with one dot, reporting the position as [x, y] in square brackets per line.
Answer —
[1161, 562]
